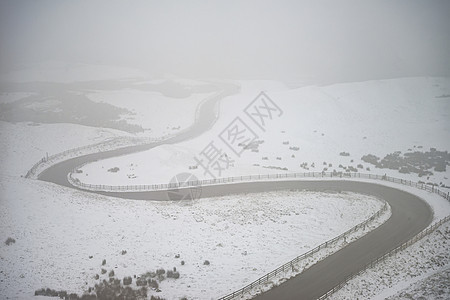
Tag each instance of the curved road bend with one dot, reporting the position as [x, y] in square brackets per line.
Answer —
[410, 214]
[207, 117]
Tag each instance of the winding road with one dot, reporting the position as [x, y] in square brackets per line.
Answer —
[410, 214]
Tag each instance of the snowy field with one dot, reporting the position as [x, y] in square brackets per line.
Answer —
[421, 271]
[375, 117]
[138, 101]
[146, 105]
[23, 144]
[57, 229]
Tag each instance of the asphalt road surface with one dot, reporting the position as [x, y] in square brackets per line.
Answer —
[410, 214]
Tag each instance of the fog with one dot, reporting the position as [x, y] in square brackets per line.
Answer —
[328, 41]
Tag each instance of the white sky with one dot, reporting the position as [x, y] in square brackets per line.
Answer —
[326, 40]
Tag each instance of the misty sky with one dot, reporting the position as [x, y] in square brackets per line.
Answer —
[326, 40]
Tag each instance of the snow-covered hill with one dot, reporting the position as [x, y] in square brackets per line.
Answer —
[331, 126]
[57, 229]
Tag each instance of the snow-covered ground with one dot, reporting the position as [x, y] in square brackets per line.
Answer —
[146, 106]
[47, 220]
[375, 117]
[421, 271]
[23, 144]
[434, 286]
[318, 254]
[58, 229]
[158, 106]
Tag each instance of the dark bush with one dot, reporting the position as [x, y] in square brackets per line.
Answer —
[370, 158]
[10, 241]
[114, 288]
[96, 277]
[160, 273]
[351, 169]
[127, 280]
[111, 290]
[173, 274]
[51, 293]
[114, 170]
[182, 262]
[142, 293]
[127, 293]
[206, 263]
[404, 170]
[440, 166]
[153, 283]
[344, 154]
[62, 294]
[104, 262]
[150, 274]
[141, 281]
[40, 292]
[124, 252]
